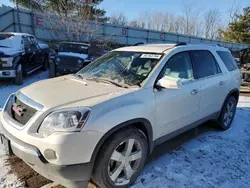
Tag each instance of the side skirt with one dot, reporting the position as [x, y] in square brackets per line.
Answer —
[184, 129]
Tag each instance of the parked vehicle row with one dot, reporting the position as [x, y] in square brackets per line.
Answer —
[21, 54]
[102, 122]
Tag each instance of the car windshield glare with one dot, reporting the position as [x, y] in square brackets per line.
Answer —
[74, 48]
[123, 67]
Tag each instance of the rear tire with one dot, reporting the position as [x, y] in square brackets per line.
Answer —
[227, 114]
[45, 64]
[19, 75]
[52, 70]
[121, 159]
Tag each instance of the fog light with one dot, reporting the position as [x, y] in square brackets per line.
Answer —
[50, 154]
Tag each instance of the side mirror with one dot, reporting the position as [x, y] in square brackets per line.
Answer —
[168, 83]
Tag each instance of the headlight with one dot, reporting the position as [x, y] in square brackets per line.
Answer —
[79, 61]
[7, 61]
[66, 120]
[58, 59]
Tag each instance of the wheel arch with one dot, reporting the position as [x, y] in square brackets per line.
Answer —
[18, 60]
[141, 123]
[235, 93]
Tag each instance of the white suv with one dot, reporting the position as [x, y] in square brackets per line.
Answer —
[104, 121]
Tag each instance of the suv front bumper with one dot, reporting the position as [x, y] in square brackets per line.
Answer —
[77, 175]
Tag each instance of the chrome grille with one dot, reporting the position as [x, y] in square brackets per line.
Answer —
[17, 109]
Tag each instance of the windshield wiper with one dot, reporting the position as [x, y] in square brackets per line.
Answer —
[4, 46]
[78, 76]
[105, 80]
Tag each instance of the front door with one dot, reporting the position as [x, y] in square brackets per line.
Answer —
[177, 108]
[33, 55]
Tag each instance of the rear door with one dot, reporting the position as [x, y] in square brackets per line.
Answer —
[213, 82]
[39, 55]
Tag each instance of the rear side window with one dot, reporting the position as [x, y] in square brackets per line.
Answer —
[228, 60]
[205, 63]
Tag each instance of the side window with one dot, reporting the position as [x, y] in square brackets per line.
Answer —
[29, 43]
[205, 63]
[179, 66]
[228, 60]
[33, 42]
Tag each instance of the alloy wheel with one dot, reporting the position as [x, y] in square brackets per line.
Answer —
[229, 113]
[124, 161]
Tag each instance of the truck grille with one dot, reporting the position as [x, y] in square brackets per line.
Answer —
[19, 111]
[68, 61]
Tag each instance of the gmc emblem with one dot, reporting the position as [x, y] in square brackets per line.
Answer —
[18, 109]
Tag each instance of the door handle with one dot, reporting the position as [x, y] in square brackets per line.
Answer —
[221, 83]
[194, 91]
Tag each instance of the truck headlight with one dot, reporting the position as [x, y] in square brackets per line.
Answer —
[65, 120]
[7, 61]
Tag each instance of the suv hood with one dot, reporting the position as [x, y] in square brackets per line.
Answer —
[83, 56]
[71, 91]
[9, 51]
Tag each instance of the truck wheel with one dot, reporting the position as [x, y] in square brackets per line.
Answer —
[227, 115]
[121, 159]
[19, 75]
[52, 70]
[45, 64]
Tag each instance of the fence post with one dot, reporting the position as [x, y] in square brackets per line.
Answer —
[18, 17]
[14, 19]
[32, 23]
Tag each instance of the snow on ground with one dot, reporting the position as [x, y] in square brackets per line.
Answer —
[212, 159]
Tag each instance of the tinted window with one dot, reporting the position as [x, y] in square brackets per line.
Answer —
[179, 67]
[228, 60]
[30, 43]
[74, 47]
[205, 64]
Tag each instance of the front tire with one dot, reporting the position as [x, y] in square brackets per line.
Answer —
[52, 70]
[19, 75]
[121, 159]
[227, 114]
[45, 63]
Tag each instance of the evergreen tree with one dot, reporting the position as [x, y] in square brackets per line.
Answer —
[239, 30]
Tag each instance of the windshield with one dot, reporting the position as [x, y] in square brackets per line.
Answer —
[124, 68]
[4, 42]
[75, 48]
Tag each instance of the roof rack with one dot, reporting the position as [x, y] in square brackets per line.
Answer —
[181, 44]
[138, 44]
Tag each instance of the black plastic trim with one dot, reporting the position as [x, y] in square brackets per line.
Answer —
[132, 122]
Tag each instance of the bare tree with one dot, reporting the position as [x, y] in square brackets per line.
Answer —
[234, 10]
[190, 19]
[118, 19]
[212, 23]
